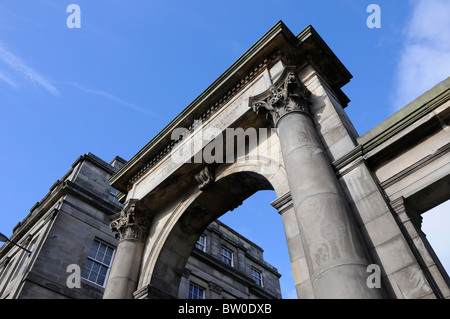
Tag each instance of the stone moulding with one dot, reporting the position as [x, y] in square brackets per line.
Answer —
[279, 43]
[283, 203]
[207, 114]
[409, 115]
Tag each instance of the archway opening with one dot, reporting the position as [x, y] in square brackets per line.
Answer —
[258, 221]
[429, 211]
[225, 195]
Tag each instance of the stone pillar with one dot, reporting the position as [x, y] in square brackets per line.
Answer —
[132, 227]
[336, 256]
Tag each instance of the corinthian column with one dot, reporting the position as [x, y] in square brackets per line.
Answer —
[335, 254]
[132, 228]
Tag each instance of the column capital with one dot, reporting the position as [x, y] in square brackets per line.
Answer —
[286, 95]
[133, 221]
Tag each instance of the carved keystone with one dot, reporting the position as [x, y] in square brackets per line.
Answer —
[204, 178]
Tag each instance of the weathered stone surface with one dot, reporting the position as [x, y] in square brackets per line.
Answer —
[344, 188]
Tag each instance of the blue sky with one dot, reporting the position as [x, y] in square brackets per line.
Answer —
[113, 84]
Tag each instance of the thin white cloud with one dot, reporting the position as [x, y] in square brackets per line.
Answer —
[21, 70]
[114, 99]
[424, 62]
[8, 80]
[425, 58]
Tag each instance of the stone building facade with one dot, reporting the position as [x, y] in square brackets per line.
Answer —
[68, 233]
[347, 202]
[60, 231]
[226, 265]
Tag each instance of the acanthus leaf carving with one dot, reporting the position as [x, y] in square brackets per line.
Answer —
[133, 222]
[288, 94]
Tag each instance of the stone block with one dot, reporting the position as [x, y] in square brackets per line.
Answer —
[295, 247]
[304, 290]
[412, 282]
[380, 230]
[358, 183]
[390, 285]
[369, 208]
[440, 281]
[393, 255]
[341, 147]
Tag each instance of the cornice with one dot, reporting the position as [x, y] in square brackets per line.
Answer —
[169, 145]
[404, 118]
[276, 44]
[412, 112]
[283, 203]
[57, 192]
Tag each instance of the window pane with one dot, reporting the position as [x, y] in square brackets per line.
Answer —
[227, 256]
[94, 248]
[201, 243]
[107, 259]
[196, 292]
[257, 277]
[101, 280]
[101, 252]
[103, 270]
[93, 276]
[109, 251]
[98, 262]
[96, 267]
[87, 269]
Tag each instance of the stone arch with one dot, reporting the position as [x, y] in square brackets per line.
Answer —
[362, 184]
[169, 248]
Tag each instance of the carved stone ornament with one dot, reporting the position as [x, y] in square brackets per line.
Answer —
[288, 94]
[132, 223]
[204, 178]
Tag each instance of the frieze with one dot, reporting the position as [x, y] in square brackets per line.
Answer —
[209, 112]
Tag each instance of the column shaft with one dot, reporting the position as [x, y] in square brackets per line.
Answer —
[335, 253]
[131, 226]
[336, 256]
[124, 274]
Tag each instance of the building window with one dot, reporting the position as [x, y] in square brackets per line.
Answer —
[226, 256]
[257, 277]
[196, 292]
[98, 263]
[201, 243]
